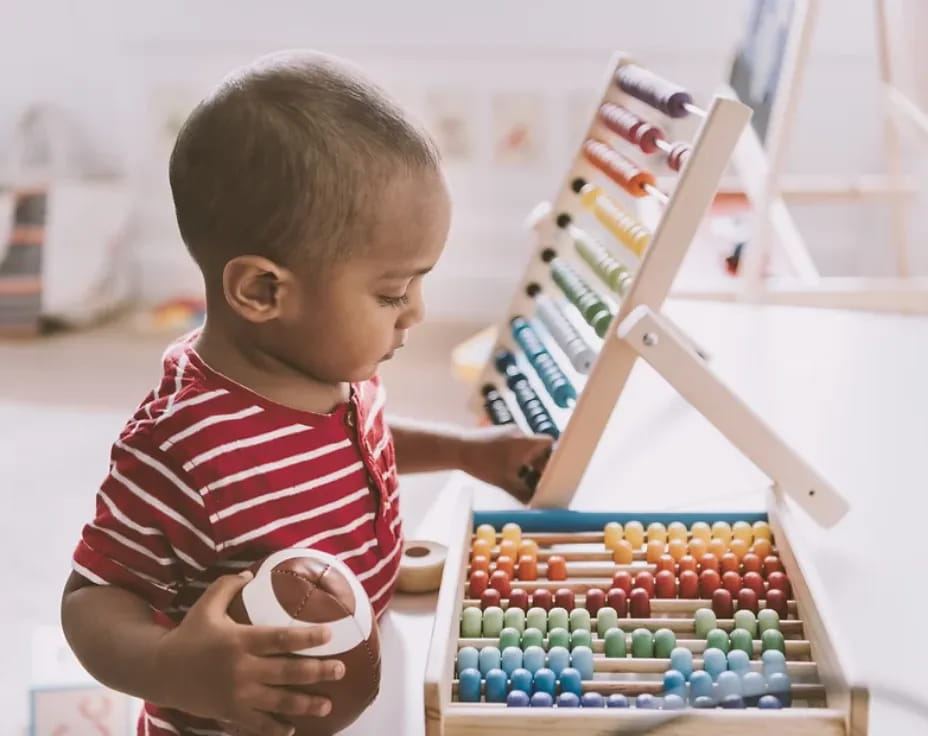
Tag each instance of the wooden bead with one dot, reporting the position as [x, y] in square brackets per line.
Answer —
[751, 563]
[595, 599]
[479, 580]
[779, 581]
[718, 547]
[612, 534]
[739, 548]
[709, 562]
[665, 584]
[729, 563]
[698, 547]
[645, 580]
[709, 582]
[506, 564]
[731, 581]
[528, 568]
[489, 597]
[689, 584]
[622, 553]
[480, 563]
[512, 532]
[634, 534]
[666, 562]
[518, 598]
[743, 531]
[639, 603]
[500, 580]
[657, 532]
[543, 599]
[722, 604]
[777, 600]
[622, 579]
[772, 564]
[528, 547]
[687, 562]
[508, 548]
[487, 533]
[564, 598]
[762, 548]
[676, 548]
[677, 530]
[654, 550]
[557, 568]
[722, 530]
[747, 600]
[755, 582]
[701, 530]
[481, 548]
[617, 598]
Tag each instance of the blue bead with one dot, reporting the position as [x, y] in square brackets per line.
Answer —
[468, 659]
[496, 686]
[779, 684]
[616, 700]
[738, 661]
[542, 700]
[544, 681]
[558, 659]
[490, 659]
[581, 659]
[512, 659]
[700, 685]
[592, 700]
[674, 702]
[521, 679]
[568, 700]
[533, 659]
[732, 701]
[703, 701]
[570, 681]
[517, 699]
[646, 700]
[769, 702]
[681, 660]
[753, 685]
[773, 660]
[729, 684]
[469, 686]
[674, 683]
[714, 662]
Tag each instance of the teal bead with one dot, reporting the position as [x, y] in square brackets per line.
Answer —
[606, 618]
[512, 659]
[533, 659]
[471, 622]
[704, 621]
[772, 661]
[745, 619]
[514, 619]
[537, 618]
[741, 639]
[492, 622]
[558, 660]
[642, 643]
[580, 619]
[558, 618]
[772, 639]
[664, 643]
[490, 658]
[509, 637]
[768, 619]
[581, 659]
[714, 662]
[681, 660]
[467, 659]
[614, 643]
[558, 638]
[739, 662]
[580, 638]
[718, 639]
[532, 638]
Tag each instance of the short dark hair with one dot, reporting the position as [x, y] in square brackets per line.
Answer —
[285, 158]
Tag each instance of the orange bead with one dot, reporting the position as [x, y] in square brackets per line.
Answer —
[508, 548]
[717, 547]
[480, 563]
[698, 547]
[557, 568]
[687, 562]
[751, 563]
[666, 562]
[528, 547]
[676, 548]
[708, 562]
[506, 564]
[762, 548]
[623, 553]
[528, 568]
[739, 548]
[729, 563]
[481, 548]
[654, 551]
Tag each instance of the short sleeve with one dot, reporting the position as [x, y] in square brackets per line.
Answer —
[150, 530]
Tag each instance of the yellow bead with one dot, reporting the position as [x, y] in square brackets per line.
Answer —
[528, 547]
[717, 547]
[623, 554]
[677, 530]
[762, 548]
[657, 532]
[739, 548]
[762, 530]
[612, 534]
[722, 530]
[512, 532]
[698, 547]
[676, 548]
[743, 531]
[654, 551]
[634, 533]
[701, 530]
[481, 548]
[487, 532]
[508, 548]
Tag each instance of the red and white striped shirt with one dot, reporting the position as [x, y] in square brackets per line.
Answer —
[208, 478]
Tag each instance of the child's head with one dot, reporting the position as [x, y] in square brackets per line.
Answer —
[313, 208]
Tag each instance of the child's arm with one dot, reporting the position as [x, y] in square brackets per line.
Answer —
[208, 666]
[494, 455]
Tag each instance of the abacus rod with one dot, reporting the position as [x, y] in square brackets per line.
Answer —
[656, 193]
[658, 665]
[794, 647]
[665, 145]
[672, 605]
[695, 109]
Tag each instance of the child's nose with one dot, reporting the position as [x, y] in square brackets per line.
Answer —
[412, 315]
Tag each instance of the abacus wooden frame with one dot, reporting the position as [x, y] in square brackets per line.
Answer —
[845, 714]
[687, 205]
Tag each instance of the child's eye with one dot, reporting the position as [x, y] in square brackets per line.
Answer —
[393, 301]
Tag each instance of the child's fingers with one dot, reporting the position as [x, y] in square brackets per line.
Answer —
[216, 598]
[261, 724]
[297, 671]
[286, 702]
[284, 640]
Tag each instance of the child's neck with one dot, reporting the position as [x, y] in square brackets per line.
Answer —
[266, 375]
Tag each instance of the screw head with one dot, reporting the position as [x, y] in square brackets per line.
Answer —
[649, 339]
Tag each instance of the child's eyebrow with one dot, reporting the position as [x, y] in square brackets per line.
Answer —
[406, 273]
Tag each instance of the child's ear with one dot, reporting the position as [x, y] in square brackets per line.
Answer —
[254, 287]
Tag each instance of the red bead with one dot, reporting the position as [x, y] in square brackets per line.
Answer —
[665, 584]
[779, 580]
[729, 563]
[542, 598]
[709, 582]
[689, 584]
[557, 568]
[500, 580]
[687, 562]
[564, 598]
[639, 603]
[732, 582]
[708, 562]
[755, 582]
[772, 564]
[479, 580]
[776, 599]
[666, 562]
[518, 598]
[645, 579]
[751, 563]
[489, 597]
[528, 568]
[747, 598]
[595, 599]
[722, 605]
[622, 579]
[617, 598]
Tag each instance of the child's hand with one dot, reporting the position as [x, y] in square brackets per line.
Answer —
[506, 458]
[215, 668]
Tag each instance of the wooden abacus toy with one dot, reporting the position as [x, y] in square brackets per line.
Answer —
[553, 622]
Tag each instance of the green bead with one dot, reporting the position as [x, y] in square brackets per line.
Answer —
[718, 639]
[471, 622]
[742, 639]
[606, 618]
[537, 618]
[642, 643]
[664, 642]
[492, 622]
[558, 618]
[704, 621]
[580, 619]
[581, 638]
[767, 618]
[558, 637]
[601, 321]
[532, 638]
[509, 637]
[515, 619]
[772, 639]
[614, 643]
[745, 619]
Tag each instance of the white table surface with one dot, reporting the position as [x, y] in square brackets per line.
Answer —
[849, 392]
